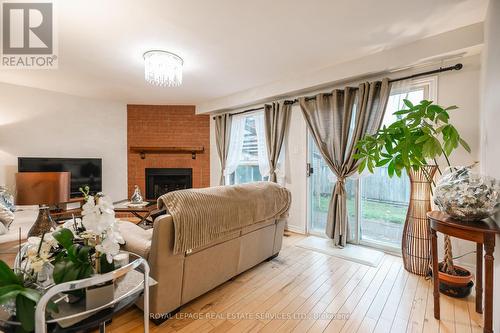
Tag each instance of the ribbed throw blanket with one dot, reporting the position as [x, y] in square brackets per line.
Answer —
[203, 215]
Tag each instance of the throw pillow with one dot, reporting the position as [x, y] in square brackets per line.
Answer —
[6, 217]
[6, 198]
[3, 229]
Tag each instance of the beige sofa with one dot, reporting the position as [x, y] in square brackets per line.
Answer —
[185, 276]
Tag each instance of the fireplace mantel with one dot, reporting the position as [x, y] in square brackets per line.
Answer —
[168, 150]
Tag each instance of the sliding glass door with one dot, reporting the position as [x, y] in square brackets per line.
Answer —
[321, 182]
[376, 203]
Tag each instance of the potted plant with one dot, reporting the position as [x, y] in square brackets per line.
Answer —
[421, 134]
[75, 251]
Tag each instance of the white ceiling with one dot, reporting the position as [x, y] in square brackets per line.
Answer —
[227, 45]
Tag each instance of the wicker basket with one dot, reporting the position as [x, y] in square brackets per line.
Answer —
[416, 242]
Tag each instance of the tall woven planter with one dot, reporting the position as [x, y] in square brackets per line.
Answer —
[416, 243]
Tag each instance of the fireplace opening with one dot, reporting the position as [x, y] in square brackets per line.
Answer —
[162, 180]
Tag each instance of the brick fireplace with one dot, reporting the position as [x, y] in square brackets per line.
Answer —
[167, 126]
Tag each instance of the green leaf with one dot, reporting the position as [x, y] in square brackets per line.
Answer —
[25, 312]
[105, 265]
[390, 169]
[9, 292]
[448, 147]
[408, 103]
[464, 144]
[444, 117]
[52, 307]
[357, 156]
[400, 112]
[362, 166]
[64, 237]
[83, 253]
[421, 139]
[398, 172]
[453, 107]
[65, 271]
[382, 162]
[31, 294]
[7, 275]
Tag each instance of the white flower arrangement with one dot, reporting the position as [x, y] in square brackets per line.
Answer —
[98, 218]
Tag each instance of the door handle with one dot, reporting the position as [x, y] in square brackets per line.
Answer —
[309, 170]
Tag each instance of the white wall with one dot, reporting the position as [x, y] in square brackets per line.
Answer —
[40, 123]
[456, 42]
[462, 89]
[490, 121]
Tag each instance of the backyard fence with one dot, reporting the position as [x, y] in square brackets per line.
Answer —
[375, 187]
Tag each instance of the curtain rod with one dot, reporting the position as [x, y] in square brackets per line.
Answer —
[456, 67]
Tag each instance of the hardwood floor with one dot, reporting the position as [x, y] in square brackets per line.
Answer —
[307, 291]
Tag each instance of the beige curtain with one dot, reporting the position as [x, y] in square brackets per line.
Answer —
[222, 135]
[276, 120]
[337, 121]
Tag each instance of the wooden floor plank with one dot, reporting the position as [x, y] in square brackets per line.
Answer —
[357, 314]
[447, 322]
[476, 319]
[388, 313]
[431, 324]
[400, 321]
[309, 287]
[417, 312]
[462, 318]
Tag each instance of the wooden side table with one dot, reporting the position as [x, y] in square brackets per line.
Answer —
[483, 233]
[141, 212]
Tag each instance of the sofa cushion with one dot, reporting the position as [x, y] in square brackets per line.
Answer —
[256, 247]
[24, 218]
[138, 240]
[207, 269]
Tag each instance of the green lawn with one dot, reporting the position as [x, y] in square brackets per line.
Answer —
[371, 210]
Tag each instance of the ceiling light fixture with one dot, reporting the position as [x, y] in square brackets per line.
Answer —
[162, 68]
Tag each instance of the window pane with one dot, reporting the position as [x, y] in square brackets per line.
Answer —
[248, 168]
[384, 200]
[247, 174]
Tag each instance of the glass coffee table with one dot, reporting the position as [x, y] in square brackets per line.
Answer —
[130, 282]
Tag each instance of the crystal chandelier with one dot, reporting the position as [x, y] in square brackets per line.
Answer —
[163, 68]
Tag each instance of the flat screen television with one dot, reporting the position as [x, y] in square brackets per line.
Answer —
[84, 171]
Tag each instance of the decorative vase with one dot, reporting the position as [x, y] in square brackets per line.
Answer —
[43, 224]
[465, 195]
[416, 242]
[136, 196]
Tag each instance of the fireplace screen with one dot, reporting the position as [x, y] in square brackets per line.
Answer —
[162, 180]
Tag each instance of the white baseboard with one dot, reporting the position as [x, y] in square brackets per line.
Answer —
[295, 229]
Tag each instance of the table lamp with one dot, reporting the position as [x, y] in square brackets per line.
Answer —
[43, 189]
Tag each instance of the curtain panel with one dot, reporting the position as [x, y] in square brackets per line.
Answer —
[337, 121]
[276, 120]
[222, 134]
[235, 151]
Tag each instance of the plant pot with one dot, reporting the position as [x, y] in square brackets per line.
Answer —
[459, 285]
